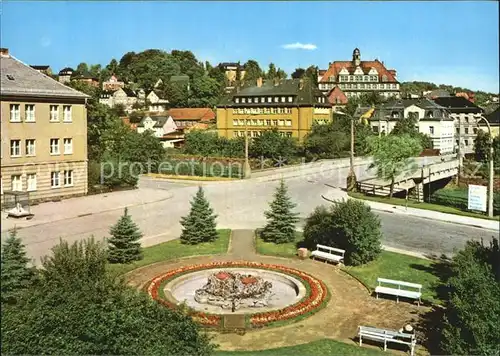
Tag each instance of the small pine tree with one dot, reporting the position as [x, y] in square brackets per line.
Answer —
[281, 220]
[199, 225]
[124, 245]
[16, 275]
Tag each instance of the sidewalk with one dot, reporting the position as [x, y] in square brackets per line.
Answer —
[332, 196]
[81, 206]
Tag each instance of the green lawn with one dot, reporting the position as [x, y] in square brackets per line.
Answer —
[281, 250]
[325, 347]
[174, 249]
[417, 205]
[400, 267]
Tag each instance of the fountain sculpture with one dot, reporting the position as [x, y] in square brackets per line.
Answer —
[232, 290]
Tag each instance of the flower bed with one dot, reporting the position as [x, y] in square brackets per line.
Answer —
[315, 297]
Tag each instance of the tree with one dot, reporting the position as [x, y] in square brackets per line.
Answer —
[270, 144]
[392, 155]
[177, 93]
[349, 225]
[206, 92]
[252, 71]
[472, 314]
[124, 245]
[409, 126]
[79, 308]
[82, 69]
[281, 219]
[298, 73]
[271, 72]
[326, 141]
[281, 74]
[15, 274]
[199, 225]
[312, 73]
[482, 146]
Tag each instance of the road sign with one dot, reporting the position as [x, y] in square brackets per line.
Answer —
[477, 197]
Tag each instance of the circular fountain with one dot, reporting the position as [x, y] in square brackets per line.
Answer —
[237, 290]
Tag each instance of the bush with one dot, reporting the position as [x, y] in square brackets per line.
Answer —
[472, 316]
[349, 225]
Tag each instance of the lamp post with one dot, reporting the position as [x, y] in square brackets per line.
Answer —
[490, 182]
[351, 177]
[246, 169]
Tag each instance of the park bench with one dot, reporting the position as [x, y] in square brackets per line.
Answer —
[400, 291]
[328, 253]
[385, 336]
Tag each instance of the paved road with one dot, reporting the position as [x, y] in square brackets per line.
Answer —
[240, 205]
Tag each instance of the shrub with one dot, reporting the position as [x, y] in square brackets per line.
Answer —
[349, 225]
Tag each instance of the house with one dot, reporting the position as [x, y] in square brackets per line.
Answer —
[337, 98]
[43, 69]
[87, 78]
[161, 126]
[357, 77]
[465, 115]
[231, 69]
[291, 105]
[155, 103]
[493, 119]
[467, 95]
[436, 93]
[122, 96]
[186, 118]
[65, 75]
[43, 133]
[433, 120]
[112, 84]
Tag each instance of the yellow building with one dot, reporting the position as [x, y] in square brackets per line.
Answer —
[292, 106]
[44, 133]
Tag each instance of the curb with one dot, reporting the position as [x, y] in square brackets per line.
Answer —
[392, 209]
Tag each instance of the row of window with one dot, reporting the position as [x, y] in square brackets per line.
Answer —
[357, 78]
[360, 86]
[263, 99]
[30, 116]
[259, 122]
[255, 111]
[466, 130]
[57, 180]
[30, 147]
[259, 133]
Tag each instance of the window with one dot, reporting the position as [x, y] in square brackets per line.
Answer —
[15, 148]
[281, 122]
[67, 113]
[17, 183]
[54, 180]
[30, 147]
[68, 178]
[54, 146]
[237, 100]
[290, 99]
[431, 130]
[466, 142]
[269, 99]
[268, 122]
[288, 122]
[475, 130]
[29, 113]
[243, 100]
[288, 134]
[283, 99]
[15, 113]
[235, 122]
[31, 182]
[457, 131]
[466, 130]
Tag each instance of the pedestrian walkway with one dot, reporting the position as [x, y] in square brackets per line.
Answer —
[82, 206]
[333, 195]
[242, 245]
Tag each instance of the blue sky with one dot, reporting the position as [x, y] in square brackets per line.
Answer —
[451, 42]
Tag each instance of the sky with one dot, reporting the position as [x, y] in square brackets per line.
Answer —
[452, 42]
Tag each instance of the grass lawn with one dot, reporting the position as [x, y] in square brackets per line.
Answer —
[399, 267]
[325, 347]
[282, 250]
[174, 249]
[417, 205]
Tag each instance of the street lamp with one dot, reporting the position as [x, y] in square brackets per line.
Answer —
[490, 182]
[351, 177]
[246, 169]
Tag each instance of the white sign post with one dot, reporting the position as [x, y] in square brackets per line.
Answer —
[477, 197]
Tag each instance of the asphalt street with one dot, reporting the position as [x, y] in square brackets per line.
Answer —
[240, 205]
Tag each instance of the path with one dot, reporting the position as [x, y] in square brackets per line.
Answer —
[242, 245]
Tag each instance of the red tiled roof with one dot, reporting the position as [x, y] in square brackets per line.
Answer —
[336, 96]
[322, 71]
[202, 114]
[337, 66]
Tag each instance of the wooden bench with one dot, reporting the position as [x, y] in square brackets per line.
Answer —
[399, 291]
[386, 336]
[328, 253]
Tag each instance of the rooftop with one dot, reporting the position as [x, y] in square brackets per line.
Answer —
[493, 118]
[201, 114]
[458, 104]
[18, 78]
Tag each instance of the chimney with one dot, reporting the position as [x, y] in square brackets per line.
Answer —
[301, 84]
[276, 82]
[259, 82]
[4, 52]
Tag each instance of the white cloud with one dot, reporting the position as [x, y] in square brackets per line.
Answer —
[298, 45]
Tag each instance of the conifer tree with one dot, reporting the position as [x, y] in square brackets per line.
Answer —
[199, 225]
[15, 274]
[124, 245]
[281, 219]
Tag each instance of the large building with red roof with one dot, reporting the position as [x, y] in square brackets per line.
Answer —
[356, 77]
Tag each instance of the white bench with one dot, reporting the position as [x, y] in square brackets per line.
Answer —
[328, 253]
[399, 291]
[386, 336]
